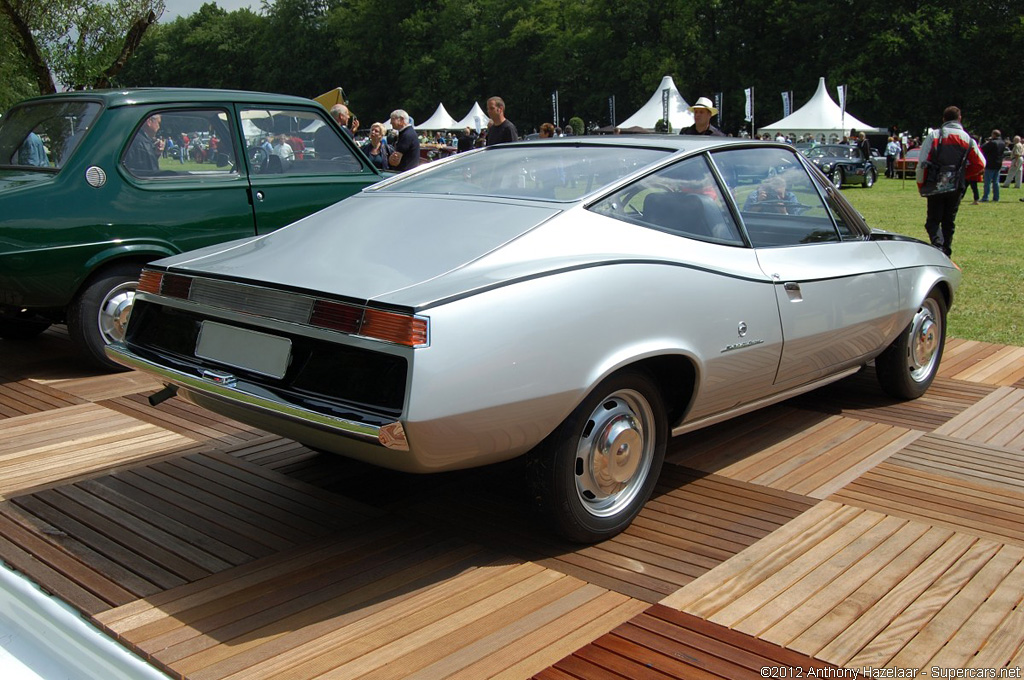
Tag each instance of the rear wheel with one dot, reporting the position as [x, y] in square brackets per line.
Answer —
[594, 473]
[869, 178]
[908, 366]
[99, 314]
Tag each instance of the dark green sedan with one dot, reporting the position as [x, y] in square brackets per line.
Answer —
[95, 184]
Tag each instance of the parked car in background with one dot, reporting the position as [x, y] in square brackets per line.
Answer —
[95, 184]
[576, 301]
[878, 161]
[907, 165]
[843, 164]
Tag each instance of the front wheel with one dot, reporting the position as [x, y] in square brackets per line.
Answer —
[837, 176]
[908, 366]
[594, 473]
[99, 314]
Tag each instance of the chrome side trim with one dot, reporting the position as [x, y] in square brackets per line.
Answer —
[253, 398]
[761, 403]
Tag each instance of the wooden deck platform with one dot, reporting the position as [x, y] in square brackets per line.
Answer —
[839, 529]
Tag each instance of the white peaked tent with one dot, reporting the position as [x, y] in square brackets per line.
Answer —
[650, 113]
[439, 121]
[476, 119]
[819, 116]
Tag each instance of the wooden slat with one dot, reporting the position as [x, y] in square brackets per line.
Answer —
[1003, 366]
[961, 355]
[76, 442]
[58, 572]
[390, 605]
[998, 420]
[139, 536]
[859, 396]
[994, 512]
[815, 460]
[96, 388]
[26, 396]
[982, 464]
[694, 522]
[859, 588]
[673, 644]
[186, 419]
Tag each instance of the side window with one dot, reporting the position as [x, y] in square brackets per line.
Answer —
[44, 134]
[295, 142]
[682, 199]
[842, 212]
[182, 144]
[779, 203]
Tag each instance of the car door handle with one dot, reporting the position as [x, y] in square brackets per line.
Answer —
[793, 291]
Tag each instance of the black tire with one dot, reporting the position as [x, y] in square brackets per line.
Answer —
[870, 177]
[908, 366]
[624, 414]
[98, 315]
[837, 176]
[21, 329]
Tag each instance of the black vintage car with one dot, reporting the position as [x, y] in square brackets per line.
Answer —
[843, 164]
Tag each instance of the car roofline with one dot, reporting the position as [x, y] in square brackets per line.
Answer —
[166, 95]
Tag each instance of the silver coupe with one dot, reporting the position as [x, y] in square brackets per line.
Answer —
[577, 301]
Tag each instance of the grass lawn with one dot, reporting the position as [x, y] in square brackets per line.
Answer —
[988, 246]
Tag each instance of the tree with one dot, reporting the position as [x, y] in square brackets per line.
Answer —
[16, 82]
[210, 48]
[80, 43]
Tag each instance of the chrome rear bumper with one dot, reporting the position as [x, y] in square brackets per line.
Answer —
[255, 399]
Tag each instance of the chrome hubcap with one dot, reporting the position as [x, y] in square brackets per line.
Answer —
[614, 456]
[926, 331]
[114, 312]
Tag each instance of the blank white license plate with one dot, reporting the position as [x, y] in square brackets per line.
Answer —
[257, 352]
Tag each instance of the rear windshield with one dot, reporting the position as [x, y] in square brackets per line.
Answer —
[558, 172]
[44, 135]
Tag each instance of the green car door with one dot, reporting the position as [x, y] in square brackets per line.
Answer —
[289, 179]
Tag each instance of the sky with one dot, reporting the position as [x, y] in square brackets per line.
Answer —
[183, 8]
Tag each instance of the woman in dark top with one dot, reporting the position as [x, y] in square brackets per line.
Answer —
[377, 147]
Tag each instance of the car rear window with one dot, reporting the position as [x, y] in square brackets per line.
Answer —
[44, 135]
[560, 172]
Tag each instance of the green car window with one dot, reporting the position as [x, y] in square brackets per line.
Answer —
[182, 144]
[44, 135]
[295, 142]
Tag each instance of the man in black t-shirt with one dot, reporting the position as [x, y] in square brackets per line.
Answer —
[501, 129]
[406, 154]
[993, 150]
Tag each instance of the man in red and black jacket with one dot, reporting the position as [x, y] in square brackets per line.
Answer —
[950, 143]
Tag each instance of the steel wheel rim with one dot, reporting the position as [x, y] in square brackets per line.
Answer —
[114, 312]
[926, 334]
[614, 453]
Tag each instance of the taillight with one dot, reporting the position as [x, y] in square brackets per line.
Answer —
[403, 329]
[176, 285]
[162, 283]
[336, 316]
[149, 281]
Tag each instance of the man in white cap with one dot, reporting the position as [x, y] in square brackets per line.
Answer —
[702, 112]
